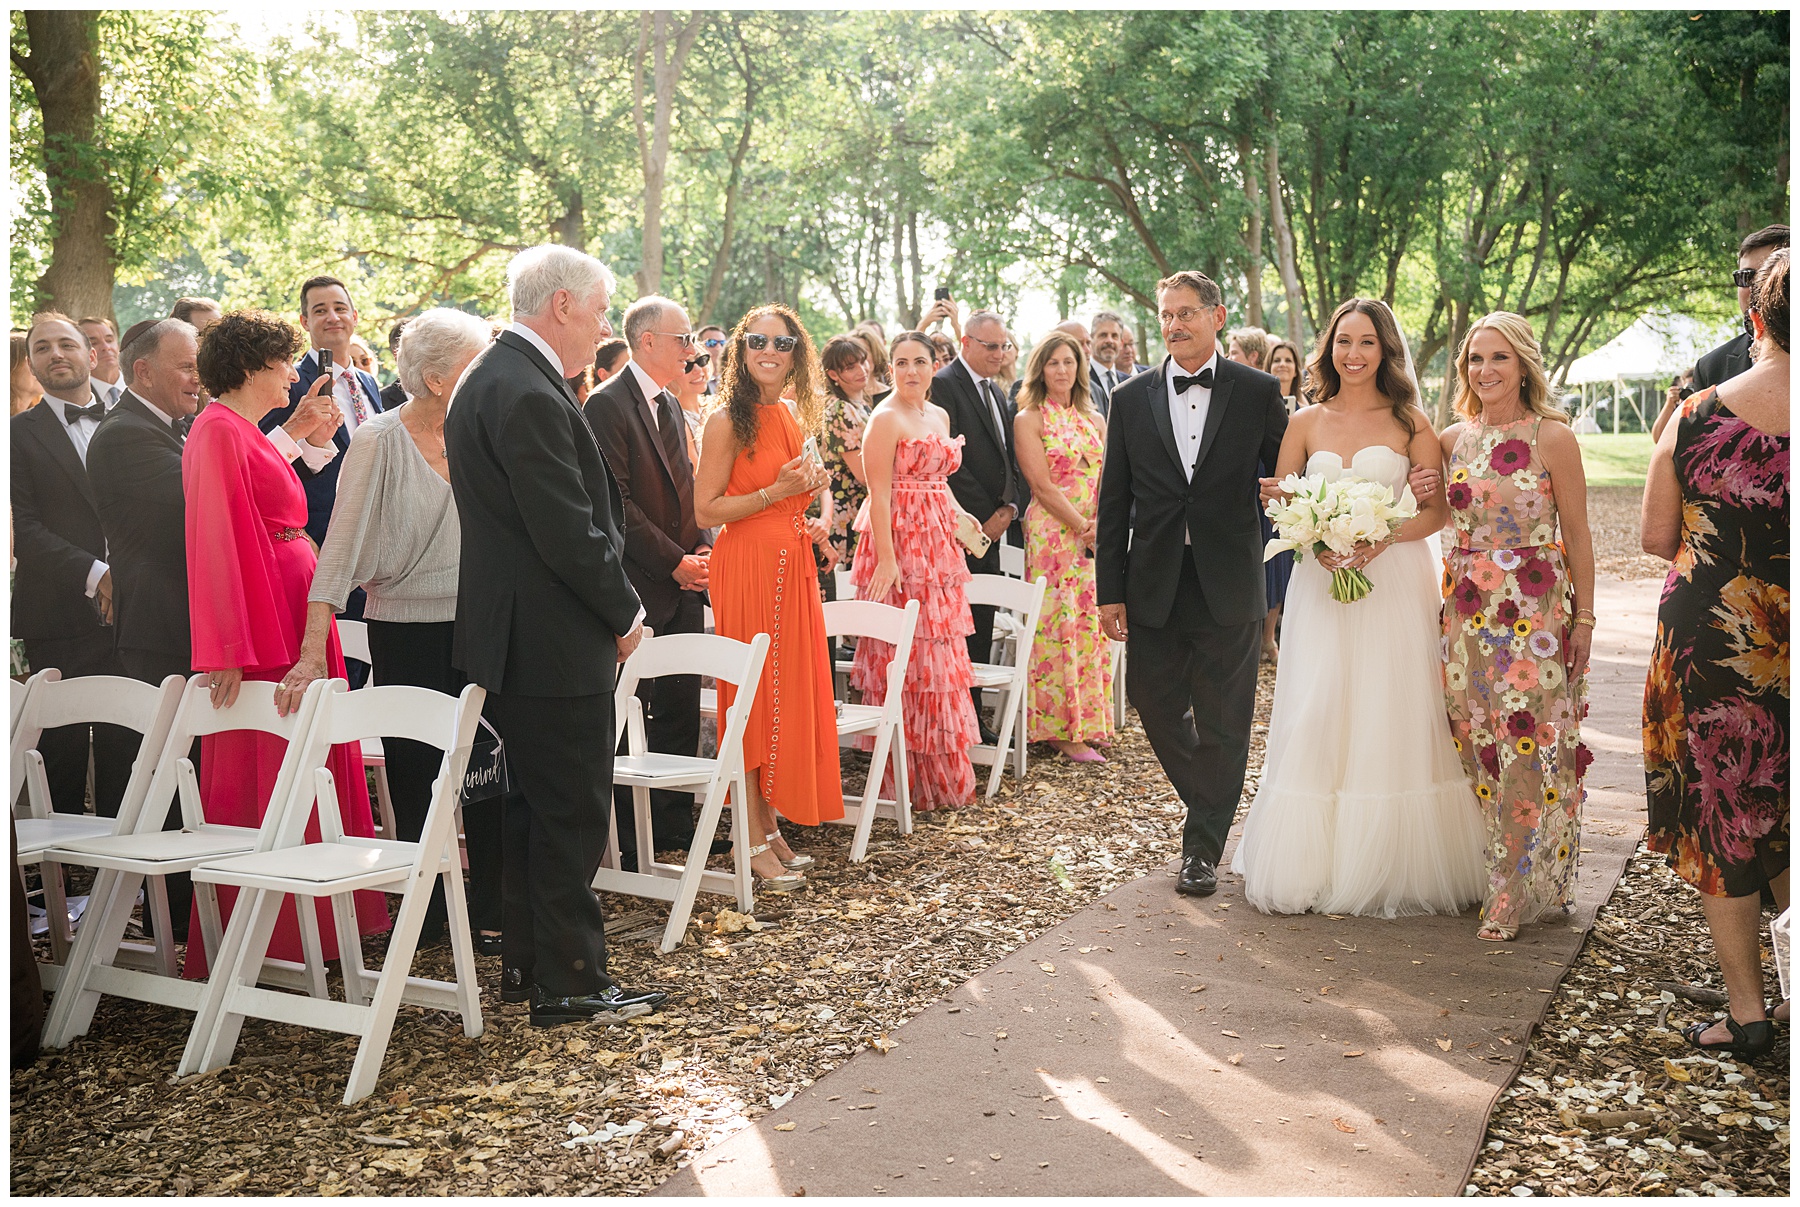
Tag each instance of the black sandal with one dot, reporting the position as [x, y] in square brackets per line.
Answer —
[1749, 1041]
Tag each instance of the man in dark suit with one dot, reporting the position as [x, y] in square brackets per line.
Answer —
[62, 602]
[1110, 359]
[1733, 356]
[330, 321]
[1181, 579]
[394, 394]
[544, 614]
[988, 484]
[641, 430]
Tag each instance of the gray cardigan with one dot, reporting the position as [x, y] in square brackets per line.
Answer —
[394, 530]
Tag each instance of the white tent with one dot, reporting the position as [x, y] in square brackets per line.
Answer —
[1656, 347]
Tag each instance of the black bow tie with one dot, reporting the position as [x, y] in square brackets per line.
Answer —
[72, 413]
[1203, 379]
[182, 424]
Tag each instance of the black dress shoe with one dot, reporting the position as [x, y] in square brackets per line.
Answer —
[614, 1004]
[988, 736]
[516, 985]
[1198, 877]
[486, 945]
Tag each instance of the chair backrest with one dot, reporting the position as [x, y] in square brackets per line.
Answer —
[725, 659]
[347, 717]
[1012, 560]
[997, 590]
[21, 688]
[845, 580]
[252, 711]
[22, 694]
[865, 618]
[53, 702]
[353, 637]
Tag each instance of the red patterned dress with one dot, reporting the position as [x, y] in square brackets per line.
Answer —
[939, 716]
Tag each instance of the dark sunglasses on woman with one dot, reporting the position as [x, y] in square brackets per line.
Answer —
[694, 362]
[757, 341]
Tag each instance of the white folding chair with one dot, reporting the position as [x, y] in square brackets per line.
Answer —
[880, 622]
[338, 867]
[20, 689]
[714, 781]
[846, 583]
[1012, 560]
[353, 637]
[142, 850]
[1024, 601]
[51, 702]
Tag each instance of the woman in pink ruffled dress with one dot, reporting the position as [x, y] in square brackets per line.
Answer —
[908, 550]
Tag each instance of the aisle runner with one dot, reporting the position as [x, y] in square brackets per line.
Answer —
[1159, 1045]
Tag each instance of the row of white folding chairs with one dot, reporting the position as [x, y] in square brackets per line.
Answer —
[267, 863]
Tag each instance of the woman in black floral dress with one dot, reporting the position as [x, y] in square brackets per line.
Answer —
[1716, 703]
[845, 360]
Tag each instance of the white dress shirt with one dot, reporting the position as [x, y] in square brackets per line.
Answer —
[1187, 415]
[167, 419]
[110, 391]
[344, 384]
[80, 432]
[990, 395]
[651, 391]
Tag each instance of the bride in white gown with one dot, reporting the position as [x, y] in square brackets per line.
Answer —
[1363, 807]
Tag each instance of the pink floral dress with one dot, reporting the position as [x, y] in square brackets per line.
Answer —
[939, 716]
[1071, 659]
[1515, 714]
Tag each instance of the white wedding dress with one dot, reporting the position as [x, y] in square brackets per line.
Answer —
[1363, 807]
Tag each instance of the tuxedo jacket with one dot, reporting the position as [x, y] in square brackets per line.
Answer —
[1722, 363]
[542, 593]
[134, 463]
[657, 489]
[320, 487]
[57, 536]
[1138, 557]
[989, 475]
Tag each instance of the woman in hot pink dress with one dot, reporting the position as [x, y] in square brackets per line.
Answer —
[907, 550]
[250, 566]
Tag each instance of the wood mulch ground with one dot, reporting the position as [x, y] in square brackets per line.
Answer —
[763, 1007]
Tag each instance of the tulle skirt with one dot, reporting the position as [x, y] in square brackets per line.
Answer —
[1363, 807]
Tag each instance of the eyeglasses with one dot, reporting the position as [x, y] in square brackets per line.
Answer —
[716, 341]
[757, 341]
[1002, 346]
[1185, 314]
[686, 337]
[694, 362]
[1743, 278]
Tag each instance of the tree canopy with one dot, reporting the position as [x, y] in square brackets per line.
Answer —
[1574, 166]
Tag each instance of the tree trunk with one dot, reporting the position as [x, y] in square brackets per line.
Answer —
[1253, 308]
[916, 264]
[715, 279]
[1459, 324]
[64, 71]
[656, 32]
[571, 228]
[897, 256]
[1284, 241]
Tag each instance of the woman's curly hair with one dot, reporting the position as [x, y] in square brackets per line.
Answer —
[242, 343]
[743, 397]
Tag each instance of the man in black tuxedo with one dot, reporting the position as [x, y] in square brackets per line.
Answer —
[988, 484]
[1733, 356]
[1181, 579]
[62, 602]
[641, 430]
[545, 612]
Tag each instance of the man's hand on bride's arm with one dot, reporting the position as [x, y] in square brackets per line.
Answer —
[1271, 489]
[1424, 481]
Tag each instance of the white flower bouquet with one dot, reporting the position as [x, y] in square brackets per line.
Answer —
[1319, 515]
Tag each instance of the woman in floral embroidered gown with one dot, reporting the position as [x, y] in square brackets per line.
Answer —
[1716, 704]
[1518, 619]
[908, 550]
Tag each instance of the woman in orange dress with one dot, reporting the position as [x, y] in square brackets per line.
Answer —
[756, 480]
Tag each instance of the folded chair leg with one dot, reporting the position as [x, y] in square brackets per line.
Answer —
[156, 892]
[462, 949]
[56, 910]
[390, 986]
[96, 944]
[357, 986]
[865, 819]
[306, 911]
[218, 986]
[688, 886]
[240, 971]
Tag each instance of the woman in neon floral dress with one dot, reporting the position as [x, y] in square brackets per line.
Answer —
[1716, 702]
[908, 550]
[1518, 619]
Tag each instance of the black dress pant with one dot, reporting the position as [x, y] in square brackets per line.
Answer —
[153, 666]
[66, 748]
[1193, 682]
[981, 641]
[671, 726]
[559, 752]
[417, 654]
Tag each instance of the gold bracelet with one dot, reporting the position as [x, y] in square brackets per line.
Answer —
[1587, 620]
[764, 494]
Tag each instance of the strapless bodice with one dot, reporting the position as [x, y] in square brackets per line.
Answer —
[1372, 463]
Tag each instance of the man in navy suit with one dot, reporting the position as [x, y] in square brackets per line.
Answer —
[330, 321]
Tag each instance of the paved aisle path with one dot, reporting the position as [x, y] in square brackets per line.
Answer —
[1158, 1045]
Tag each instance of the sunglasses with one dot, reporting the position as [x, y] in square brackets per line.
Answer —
[756, 342]
[715, 342]
[694, 362]
[1002, 346]
[686, 337]
[1743, 278]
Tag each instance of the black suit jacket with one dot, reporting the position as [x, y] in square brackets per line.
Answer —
[542, 594]
[134, 463]
[989, 475]
[320, 487]
[658, 490]
[1138, 559]
[392, 395]
[56, 531]
[1722, 363]
[1098, 388]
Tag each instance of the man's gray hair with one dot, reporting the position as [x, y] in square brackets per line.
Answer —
[536, 273]
[434, 342]
[645, 315]
[1106, 316]
[148, 342]
[981, 316]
